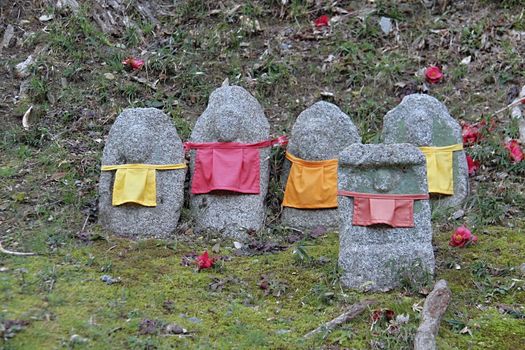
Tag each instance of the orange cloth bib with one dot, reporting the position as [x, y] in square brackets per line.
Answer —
[312, 184]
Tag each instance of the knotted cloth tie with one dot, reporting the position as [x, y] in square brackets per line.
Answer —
[396, 210]
[311, 184]
[440, 170]
[228, 166]
[136, 183]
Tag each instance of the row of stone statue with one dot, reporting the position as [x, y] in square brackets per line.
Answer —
[383, 212]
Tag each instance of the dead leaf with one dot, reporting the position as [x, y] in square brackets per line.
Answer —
[58, 176]
[466, 60]
[466, 330]
[46, 18]
[25, 118]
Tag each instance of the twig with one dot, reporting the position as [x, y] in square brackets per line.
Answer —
[152, 86]
[355, 310]
[513, 104]
[85, 223]
[10, 252]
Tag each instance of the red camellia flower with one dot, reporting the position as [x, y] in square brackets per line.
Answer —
[376, 315]
[204, 261]
[322, 21]
[473, 165]
[471, 133]
[515, 151]
[133, 63]
[433, 74]
[461, 237]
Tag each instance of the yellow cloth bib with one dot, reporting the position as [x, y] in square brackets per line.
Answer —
[136, 183]
[311, 184]
[440, 171]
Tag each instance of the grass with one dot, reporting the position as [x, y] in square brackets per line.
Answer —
[49, 174]
[61, 294]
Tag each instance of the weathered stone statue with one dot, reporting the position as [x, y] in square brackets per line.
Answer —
[230, 164]
[142, 179]
[385, 215]
[425, 122]
[319, 134]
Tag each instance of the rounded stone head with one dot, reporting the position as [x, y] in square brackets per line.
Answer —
[422, 121]
[321, 132]
[232, 115]
[139, 146]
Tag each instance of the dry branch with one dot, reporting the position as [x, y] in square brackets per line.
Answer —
[435, 306]
[354, 311]
[10, 252]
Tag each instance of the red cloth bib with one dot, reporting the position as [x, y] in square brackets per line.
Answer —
[396, 210]
[228, 166]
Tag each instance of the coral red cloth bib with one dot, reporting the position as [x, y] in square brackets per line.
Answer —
[228, 166]
[396, 210]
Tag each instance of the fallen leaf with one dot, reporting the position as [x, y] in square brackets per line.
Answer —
[386, 24]
[25, 118]
[46, 18]
[148, 326]
[466, 330]
[466, 60]
[173, 328]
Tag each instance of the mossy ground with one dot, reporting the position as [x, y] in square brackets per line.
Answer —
[49, 173]
[62, 294]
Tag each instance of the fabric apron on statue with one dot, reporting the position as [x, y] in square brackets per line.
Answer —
[311, 184]
[228, 166]
[396, 210]
[136, 183]
[440, 169]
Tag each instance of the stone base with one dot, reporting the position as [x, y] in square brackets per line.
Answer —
[304, 219]
[377, 267]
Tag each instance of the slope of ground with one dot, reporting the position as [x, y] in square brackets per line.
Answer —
[78, 85]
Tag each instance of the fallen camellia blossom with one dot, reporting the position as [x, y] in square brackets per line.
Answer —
[382, 315]
[433, 74]
[133, 63]
[514, 150]
[204, 261]
[473, 165]
[461, 237]
[471, 133]
[322, 21]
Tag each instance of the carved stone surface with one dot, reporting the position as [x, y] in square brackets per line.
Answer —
[320, 132]
[145, 136]
[372, 257]
[232, 115]
[424, 121]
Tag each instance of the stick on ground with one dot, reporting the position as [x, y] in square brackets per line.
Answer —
[10, 252]
[435, 306]
[354, 311]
